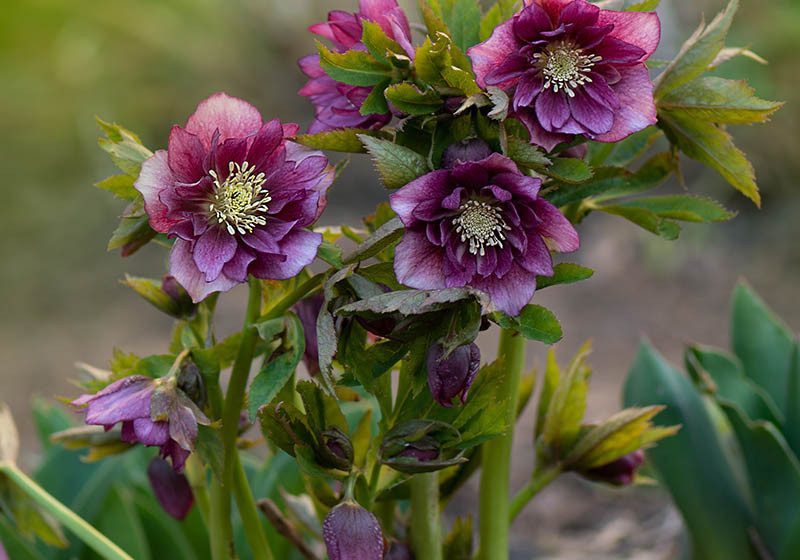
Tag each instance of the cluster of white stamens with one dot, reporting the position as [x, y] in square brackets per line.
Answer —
[565, 67]
[481, 224]
[238, 201]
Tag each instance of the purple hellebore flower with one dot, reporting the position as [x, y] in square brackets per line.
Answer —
[338, 105]
[621, 472]
[452, 377]
[574, 69]
[153, 412]
[352, 533]
[479, 224]
[172, 489]
[236, 195]
[307, 311]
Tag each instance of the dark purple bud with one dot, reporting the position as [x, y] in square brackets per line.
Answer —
[452, 376]
[307, 311]
[191, 382]
[183, 301]
[418, 446]
[335, 450]
[172, 490]
[424, 450]
[453, 104]
[352, 533]
[617, 473]
[473, 149]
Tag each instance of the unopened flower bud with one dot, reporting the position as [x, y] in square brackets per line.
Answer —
[191, 382]
[419, 446]
[452, 376]
[352, 533]
[473, 149]
[307, 311]
[183, 301]
[617, 473]
[335, 450]
[172, 490]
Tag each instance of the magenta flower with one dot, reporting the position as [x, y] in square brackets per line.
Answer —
[352, 533]
[236, 195]
[338, 105]
[479, 224]
[574, 69]
[153, 412]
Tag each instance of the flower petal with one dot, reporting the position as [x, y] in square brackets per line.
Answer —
[510, 293]
[233, 117]
[185, 271]
[552, 109]
[493, 51]
[214, 248]
[171, 489]
[185, 155]
[432, 185]
[297, 250]
[595, 116]
[637, 108]
[642, 29]
[418, 263]
[154, 178]
[556, 227]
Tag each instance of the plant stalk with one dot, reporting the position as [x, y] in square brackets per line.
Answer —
[61, 513]
[426, 525]
[496, 457]
[536, 484]
[234, 400]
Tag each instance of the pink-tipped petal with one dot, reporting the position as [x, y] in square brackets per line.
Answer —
[642, 29]
[233, 118]
[637, 109]
[154, 178]
[493, 51]
[185, 271]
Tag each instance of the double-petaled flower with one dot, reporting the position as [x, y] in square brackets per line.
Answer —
[153, 412]
[338, 105]
[237, 196]
[480, 224]
[574, 70]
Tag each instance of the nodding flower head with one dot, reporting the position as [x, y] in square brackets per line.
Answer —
[479, 224]
[573, 69]
[237, 196]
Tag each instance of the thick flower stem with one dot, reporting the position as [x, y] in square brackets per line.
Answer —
[426, 525]
[496, 457]
[220, 531]
[68, 518]
[536, 484]
[231, 412]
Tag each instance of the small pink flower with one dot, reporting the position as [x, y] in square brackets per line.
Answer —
[237, 196]
[574, 70]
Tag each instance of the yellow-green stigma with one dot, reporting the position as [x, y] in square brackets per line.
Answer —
[481, 224]
[238, 201]
[565, 67]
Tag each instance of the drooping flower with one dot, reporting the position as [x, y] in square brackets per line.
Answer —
[452, 376]
[153, 412]
[171, 489]
[236, 195]
[574, 69]
[617, 473]
[352, 533]
[479, 224]
[338, 105]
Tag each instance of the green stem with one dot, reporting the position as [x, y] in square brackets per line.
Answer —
[426, 525]
[196, 473]
[535, 485]
[234, 400]
[88, 534]
[496, 457]
[293, 297]
[220, 531]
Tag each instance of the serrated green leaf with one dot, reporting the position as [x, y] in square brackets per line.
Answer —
[339, 140]
[356, 68]
[277, 370]
[133, 232]
[683, 207]
[463, 19]
[564, 273]
[645, 219]
[383, 237]
[713, 146]
[397, 165]
[375, 103]
[624, 152]
[410, 99]
[526, 155]
[697, 53]
[719, 100]
[120, 186]
[569, 170]
[125, 148]
[534, 323]
[379, 45]
[331, 254]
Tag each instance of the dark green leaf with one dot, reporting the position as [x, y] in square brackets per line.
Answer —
[463, 19]
[534, 323]
[684, 207]
[719, 100]
[526, 155]
[356, 68]
[124, 147]
[564, 273]
[386, 235]
[569, 170]
[379, 45]
[375, 103]
[340, 140]
[331, 253]
[645, 219]
[410, 99]
[397, 165]
[411, 302]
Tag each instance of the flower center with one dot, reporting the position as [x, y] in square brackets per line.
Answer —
[238, 201]
[565, 67]
[481, 224]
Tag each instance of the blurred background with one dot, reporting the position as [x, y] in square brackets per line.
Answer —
[146, 64]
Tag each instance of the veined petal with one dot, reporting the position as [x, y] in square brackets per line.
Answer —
[642, 29]
[233, 117]
[185, 271]
[637, 108]
[556, 227]
[154, 178]
[418, 263]
[493, 51]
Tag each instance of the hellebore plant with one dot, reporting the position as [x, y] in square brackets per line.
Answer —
[497, 135]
